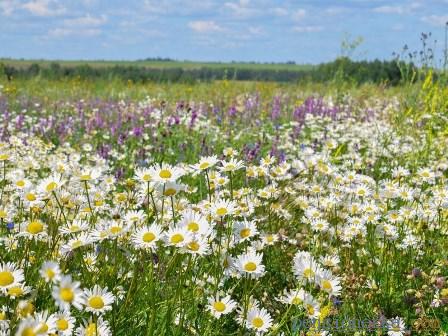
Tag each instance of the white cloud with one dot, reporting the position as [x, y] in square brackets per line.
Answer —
[44, 8]
[86, 21]
[64, 32]
[436, 20]
[242, 9]
[204, 26]
[279, 11]
[7, 7]
[299, 14]
[307, 29]
[397, 9]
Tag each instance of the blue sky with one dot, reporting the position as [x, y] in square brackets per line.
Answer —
[308, 31]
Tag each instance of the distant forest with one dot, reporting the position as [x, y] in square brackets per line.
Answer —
[357, 72]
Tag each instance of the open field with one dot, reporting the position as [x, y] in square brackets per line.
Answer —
[223, 208]
[188, 65]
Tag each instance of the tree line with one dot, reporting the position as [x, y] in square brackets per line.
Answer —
[343, 68]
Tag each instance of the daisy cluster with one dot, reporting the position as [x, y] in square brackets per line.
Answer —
[345, 220]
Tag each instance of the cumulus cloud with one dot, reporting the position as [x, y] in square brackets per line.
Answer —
[242, 9]
[436, 20]
[307, 29]
[64, 32]
[204, 26]
[86, 21]
[397, 9]
[298, 14]
[44, 7]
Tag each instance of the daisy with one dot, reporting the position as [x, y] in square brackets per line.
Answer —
[250, 264]
[396, 327]
[258, 319]
[198, 246]
[50, 184]
[98, 300]
[312, 307]
[147, 237]
[270, 238]
[294, 297]
[77, 242]
[245, 230]
[34, 230]
[50, 271]
[135, 217]
[170, 189]
[46, 323]
[222, 208]
[78, 225]
[64, 323]
[166, 173]
[10, 276]
[89, 174]
[67, 293]
[205, 163]
[195, 223]
[90, 328]
[319, 225]
[18, 291]
[329, 283]
[28, 326]
[329, 260]
[305, 267]
[177, 236]
[220, 306]
[231, 166]
[143, 175]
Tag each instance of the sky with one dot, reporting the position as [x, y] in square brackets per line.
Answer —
[306, 31]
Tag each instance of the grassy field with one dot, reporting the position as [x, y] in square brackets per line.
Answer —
[161, 64]
[223, 208]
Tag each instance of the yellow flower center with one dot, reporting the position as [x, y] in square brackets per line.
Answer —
[204, 165]
[308, 273]
[221, 212]
[177, 238]
[6, 278]
[244, 233]
[62, 324]
[296, 301]
[2, 316]
[96, 302]
[165, 174]
[74, 228]
[193, 227]
[3, 214]
[50, 273]
[85, 177]
[146, 177]
[170, 192]
[115, 230]
[28, 332]
[326, 285]
[310, 309]
[91, 329]
[15, 291]
[250, 266]
[20, 183]
[148, 237]
[4, 157]
[43, 328]
[67, 294]
[51, 186]
[30, 197]
[193, 246]
[35, 227]
[219, 306]
[76, 244]
[257, 322]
